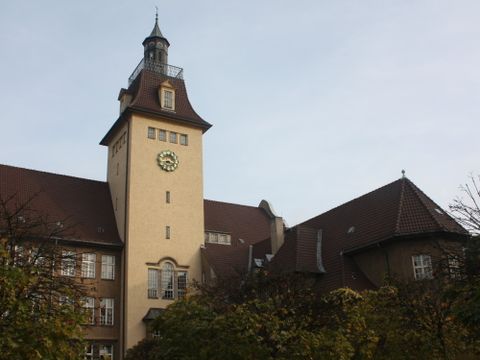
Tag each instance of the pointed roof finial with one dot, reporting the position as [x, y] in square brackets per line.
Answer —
[156, 29]
[403, 173]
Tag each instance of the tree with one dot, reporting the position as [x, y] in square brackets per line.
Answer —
[40, 312]
[466, 209]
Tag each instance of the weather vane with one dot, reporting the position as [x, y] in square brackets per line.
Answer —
[156, 13]
[403, 173]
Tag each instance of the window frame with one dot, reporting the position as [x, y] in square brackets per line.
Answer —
[89, 354]
[152, 283]
[423, 265]
[164, 135]
[168, 281]
[173, 137]
[107, 312]
[102, 351]
[168, 99]
[89, 306]
[106, 266]
[88, 266]
[151, 133]
[68, 263]
[184, 139]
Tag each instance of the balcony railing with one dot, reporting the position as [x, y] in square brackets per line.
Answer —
[164, 69]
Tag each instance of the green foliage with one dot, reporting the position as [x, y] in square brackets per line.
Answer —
[281, 320]
[35, 322]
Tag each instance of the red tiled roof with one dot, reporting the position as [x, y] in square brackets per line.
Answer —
[85, 203]
[144, 91]
[249, 223]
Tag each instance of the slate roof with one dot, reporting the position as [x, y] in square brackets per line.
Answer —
[249, 223]
[144, 92]
[86, 204]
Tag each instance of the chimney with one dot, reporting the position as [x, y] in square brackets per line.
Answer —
[276, 226]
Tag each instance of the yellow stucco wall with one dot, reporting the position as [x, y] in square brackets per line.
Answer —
[149, 214]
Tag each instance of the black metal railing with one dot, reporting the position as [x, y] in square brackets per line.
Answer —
[159, 68]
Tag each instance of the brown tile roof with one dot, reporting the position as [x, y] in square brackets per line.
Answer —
[249, 223]
[144, 91]
[85, 203]
[391, 212]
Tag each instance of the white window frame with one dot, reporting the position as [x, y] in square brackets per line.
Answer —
[88, 352]
[107, 306]
[89, 306]
[422, 267]
[218, 238]
[108, 267]
[152, 291]
[68, 263]
[106, 351]
[168, 99]
[88, 265]
[168, 281]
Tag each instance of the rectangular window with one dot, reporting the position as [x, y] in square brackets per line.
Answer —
[151, 133]
[167, 232]
[183, 139]
[89, 306]
[108, 267]
[173, 137]
[167, 282]
[454, 267]
[181, 284]
[153, 283]
[156, 334]
[167, 197]
[68, 263]
[88, 265]
[422, 267]
[168, 99]
[106, 311]
[105, 352]
[162, 135]
[88, 352]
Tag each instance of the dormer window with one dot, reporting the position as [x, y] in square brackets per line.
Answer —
[167, 96]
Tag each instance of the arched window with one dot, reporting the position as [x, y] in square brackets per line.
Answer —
[167, 280]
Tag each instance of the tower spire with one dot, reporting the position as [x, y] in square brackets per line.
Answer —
[156, 45]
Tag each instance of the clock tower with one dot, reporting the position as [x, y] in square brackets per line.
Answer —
[156, 184]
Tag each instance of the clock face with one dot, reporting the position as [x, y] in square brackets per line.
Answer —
[167, 160]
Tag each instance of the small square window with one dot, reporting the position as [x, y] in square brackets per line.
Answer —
[173, 137]
[183, 139]
[162, 135]
[151, 133]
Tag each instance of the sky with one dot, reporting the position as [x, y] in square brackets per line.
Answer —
[313, 103]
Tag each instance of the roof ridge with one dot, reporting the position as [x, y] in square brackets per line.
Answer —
[416, 191]
[231, 203]
[400, 206]
[52, 173]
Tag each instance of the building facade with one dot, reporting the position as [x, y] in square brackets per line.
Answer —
[145, 234]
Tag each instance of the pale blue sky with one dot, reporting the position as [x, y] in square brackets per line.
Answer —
[313, 102]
